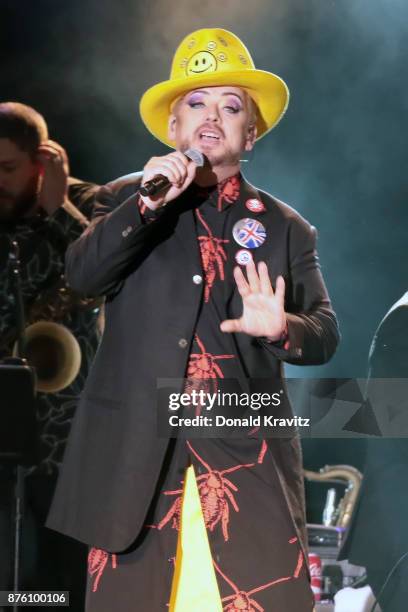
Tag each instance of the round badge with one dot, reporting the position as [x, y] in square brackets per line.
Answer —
[249, 233]
[255, 206]
[243, 257]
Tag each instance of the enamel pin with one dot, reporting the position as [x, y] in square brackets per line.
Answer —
[243, 257]
[249, 233]
[255, 206]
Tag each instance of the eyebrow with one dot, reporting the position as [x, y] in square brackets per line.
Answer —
[207, 93]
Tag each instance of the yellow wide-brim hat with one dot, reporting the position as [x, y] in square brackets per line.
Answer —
[207, 58]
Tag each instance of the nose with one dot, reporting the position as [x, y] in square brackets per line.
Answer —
[213, 114]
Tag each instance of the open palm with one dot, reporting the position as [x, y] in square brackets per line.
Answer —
[263, 308]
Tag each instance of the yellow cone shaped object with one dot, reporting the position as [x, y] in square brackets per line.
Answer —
[194, 586]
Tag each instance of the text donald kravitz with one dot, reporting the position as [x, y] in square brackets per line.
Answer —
[250, 421]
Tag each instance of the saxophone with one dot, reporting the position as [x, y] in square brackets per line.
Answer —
[48, 345]
[340, 474]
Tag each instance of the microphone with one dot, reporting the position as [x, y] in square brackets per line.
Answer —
[160, 182]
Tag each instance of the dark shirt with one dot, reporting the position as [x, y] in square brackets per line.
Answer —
[214, 354]
[42, 242]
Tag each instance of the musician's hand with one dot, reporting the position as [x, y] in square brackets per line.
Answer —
[179, 169]
[55, 171]
[263, 308]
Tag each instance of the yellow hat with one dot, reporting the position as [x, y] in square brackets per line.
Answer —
[213, 57]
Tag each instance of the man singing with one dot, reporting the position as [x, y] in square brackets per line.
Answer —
[209, 280]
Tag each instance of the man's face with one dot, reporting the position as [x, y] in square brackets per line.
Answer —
[19, 175]
[218, 121]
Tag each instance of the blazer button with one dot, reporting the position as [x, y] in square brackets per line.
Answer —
[182, 343]
[127, 231]
[197, 279]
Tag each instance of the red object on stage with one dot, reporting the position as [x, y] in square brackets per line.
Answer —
[315, 567]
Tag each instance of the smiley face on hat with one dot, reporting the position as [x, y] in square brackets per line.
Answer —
[200, 62]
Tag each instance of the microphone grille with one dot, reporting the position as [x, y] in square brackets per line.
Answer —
[196, 156]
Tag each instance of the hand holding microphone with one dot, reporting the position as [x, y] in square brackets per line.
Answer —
[165, 178]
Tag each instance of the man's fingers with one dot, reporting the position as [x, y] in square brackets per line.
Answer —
[180, 164]
[170, 169]
[53, 143]
[253, 278]
[47, 155]
[230, 326]
[191, 172]
[44, 158]
[52, 149]
[242, 285]
[265, 281]
[280, 289]
[183, 158]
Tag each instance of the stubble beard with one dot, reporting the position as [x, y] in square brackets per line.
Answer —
[17, 207]
[216, 159]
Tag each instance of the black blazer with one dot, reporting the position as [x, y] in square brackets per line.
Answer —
[114, 456]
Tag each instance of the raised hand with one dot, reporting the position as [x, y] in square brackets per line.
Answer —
[53, 159]
[263, 308]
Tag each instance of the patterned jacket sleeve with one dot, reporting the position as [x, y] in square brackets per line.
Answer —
[82, 196]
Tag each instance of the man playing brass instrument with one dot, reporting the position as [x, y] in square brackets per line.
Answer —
[43, 210]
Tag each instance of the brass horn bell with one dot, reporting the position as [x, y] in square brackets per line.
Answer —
[55, 354]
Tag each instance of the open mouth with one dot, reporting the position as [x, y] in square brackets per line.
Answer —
[209, 136]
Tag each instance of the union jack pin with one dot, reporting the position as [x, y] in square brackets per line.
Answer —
[249, 233]
[255, 206]
[243, 257]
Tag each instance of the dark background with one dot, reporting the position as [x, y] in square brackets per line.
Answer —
[338, 157]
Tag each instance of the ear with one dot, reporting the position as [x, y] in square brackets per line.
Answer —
[251, 137]
[37, 162]
[171, 129]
